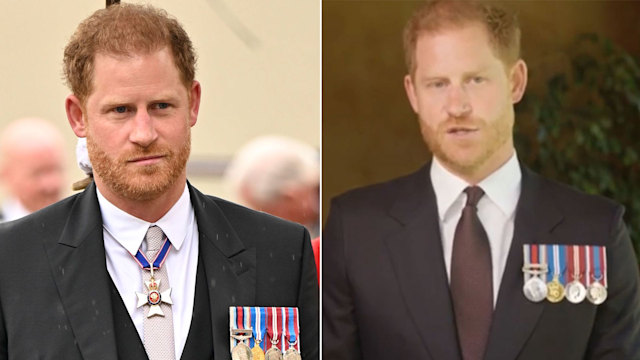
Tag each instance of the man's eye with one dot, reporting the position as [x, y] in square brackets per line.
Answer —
[478, 79]
[162, 105]
[120, 109]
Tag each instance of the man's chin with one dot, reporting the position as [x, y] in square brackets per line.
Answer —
[460, 162]
[143, 192]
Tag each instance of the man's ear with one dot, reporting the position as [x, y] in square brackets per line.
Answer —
[518, 80]
[194, 104]
[75, 115]
[409, 88]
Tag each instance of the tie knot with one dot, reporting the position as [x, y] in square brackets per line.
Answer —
[474, 193]
[154, 238]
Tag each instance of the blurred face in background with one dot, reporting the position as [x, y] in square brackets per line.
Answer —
[32, 167]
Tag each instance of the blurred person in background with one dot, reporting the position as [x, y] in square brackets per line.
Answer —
[280, 176]
[31, 167]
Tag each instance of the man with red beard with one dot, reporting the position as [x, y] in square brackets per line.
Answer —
[141, 264]
[474, 256]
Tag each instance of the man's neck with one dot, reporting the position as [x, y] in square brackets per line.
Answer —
[148, 210]
[475, 175]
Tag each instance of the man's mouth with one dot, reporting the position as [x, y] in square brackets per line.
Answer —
[460, 131]
[146, 160]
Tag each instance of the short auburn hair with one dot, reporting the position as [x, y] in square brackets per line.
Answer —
[433, 16]
[124, 29]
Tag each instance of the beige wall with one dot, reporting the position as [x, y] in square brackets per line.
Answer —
[265, 80]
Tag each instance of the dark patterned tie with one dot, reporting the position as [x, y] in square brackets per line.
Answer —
[471, 279]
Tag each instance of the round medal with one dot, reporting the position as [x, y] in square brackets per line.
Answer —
[241, 352]
[596, 293]
[535, 289]
[257, 352]
[575, 292]
[292, 354]
[555, 291]
[273, 354]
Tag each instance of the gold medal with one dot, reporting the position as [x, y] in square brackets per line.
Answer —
[257, 352]
[292, 354]
[555, 290]
[273, 354]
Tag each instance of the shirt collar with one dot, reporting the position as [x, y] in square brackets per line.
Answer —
[129, 230]
[13, 209]
[502, 187]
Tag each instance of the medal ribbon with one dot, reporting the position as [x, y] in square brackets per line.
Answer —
[247, 323]
[526, 248]
[571, 265]
[269, 324]
[281, 315]
[272, 327]
[542, 252]
[561, 255]
[599, 264]
[292, 329]
[581, 264]
[552, 263]
[588, 265]
[161, 256]
[239, 317]
[596, 264]
[260, 327]
[603, 264]
[296, 322]
[232, 322]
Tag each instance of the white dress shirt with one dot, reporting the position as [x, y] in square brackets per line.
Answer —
[496, 210]
[124, 235]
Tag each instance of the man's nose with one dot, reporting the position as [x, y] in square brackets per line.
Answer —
[143, 132]
[458, 103]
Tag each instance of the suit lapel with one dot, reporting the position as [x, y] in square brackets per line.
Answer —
[78, 264]
[536, 217]
[230, 268]
[417, 258]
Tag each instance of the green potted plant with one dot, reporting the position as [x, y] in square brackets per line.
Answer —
[584, 129]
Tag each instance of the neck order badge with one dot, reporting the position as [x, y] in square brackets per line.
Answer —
[154, 297]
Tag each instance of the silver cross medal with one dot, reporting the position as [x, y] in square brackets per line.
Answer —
[154, 297]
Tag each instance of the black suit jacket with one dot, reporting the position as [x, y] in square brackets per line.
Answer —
[54, 286]
[386, 293]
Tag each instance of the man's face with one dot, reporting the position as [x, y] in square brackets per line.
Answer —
[35, 174]
[138, 124]
[464, 95]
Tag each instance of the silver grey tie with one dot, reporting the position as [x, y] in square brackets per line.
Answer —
[158, 330]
